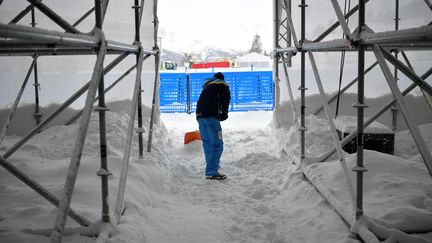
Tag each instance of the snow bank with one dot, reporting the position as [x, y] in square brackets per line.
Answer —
[397, 192]
[405, 146]
[347, 124]
[318, 139]
[57, 142]
[45, 158]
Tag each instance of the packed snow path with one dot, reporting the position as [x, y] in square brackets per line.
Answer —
[264, 198]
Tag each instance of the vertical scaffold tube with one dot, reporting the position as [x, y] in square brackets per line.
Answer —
[36, 84]
[302, 82]
[290, 93]
[103, 172]
[188, 94]
[395, 108]
[360, 169]
[289, 30]
[156, 79]
[276, 80]
[137, 13]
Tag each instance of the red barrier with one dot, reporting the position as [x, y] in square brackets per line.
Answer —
[211, 65]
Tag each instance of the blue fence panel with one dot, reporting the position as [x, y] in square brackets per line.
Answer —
[173, 92]
[196, 82]
[252, 90]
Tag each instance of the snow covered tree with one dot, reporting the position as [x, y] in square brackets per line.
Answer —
[188, 57]
[256, 44]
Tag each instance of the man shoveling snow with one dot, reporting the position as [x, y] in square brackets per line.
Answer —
[212, 108]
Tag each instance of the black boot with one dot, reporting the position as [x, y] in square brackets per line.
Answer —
[216, 177]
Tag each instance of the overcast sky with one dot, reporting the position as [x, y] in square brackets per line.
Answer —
[229, 24]
[232, 24]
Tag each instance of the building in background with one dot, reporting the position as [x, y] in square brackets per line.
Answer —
[253, 60]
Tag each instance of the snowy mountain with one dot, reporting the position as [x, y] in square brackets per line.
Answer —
[179, 56]
[175, 47]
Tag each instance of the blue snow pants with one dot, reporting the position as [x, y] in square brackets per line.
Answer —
[211, 136]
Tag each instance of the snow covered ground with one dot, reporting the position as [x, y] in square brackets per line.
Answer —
[264, 199]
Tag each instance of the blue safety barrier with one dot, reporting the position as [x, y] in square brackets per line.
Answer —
[250, 91]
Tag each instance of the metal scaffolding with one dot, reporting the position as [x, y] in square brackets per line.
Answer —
[32, 41]
[361, 40]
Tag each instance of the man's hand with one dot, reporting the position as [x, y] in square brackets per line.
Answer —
[223, 116]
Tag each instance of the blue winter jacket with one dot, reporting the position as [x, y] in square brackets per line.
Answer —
[214, 99]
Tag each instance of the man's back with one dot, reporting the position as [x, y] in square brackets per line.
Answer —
[214, 99]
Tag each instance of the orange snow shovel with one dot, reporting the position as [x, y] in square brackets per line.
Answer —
[191, 136]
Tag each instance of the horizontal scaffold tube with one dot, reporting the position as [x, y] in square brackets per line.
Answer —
[343, 45]
[42, 35]
[331, 45]
[419, 34]
[408, 39]
[45, 50]
[49, 37]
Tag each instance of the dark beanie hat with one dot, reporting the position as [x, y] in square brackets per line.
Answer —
[219, 75]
